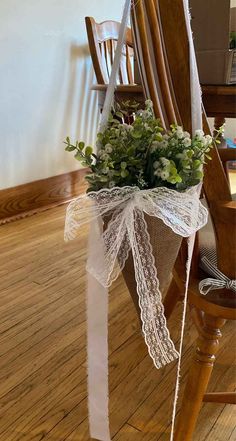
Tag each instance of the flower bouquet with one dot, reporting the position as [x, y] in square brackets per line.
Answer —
[163, 165]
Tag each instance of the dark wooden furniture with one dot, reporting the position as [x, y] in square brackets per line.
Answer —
[102, 39]
[156, 22]
[219, 103]
[167, 83]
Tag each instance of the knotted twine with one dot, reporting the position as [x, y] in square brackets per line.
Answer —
[127, 209]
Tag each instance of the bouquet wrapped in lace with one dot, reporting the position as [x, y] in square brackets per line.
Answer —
[142, 184]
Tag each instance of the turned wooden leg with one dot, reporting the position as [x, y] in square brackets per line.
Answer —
[199, 376]
[173, 296]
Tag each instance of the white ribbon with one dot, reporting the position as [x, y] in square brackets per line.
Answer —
[219, 282]
[108, 250]
[127, 231]
[196, 115]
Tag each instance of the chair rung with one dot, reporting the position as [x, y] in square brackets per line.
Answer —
[220, 397]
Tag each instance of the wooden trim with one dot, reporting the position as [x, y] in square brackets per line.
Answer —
[27, 199]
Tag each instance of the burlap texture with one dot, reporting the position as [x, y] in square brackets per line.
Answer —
[165, 245]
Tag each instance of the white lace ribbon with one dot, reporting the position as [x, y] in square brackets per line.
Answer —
[126, 231]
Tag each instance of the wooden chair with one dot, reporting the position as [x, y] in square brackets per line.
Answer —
[102, 38]
[163, 53]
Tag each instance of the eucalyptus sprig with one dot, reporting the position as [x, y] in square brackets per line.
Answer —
[142, 154]
[83, 153]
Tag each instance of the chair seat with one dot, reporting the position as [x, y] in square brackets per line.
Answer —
[220, 298]
[207, 245]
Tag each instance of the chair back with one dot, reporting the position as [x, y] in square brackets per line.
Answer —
[102, 38]
[162, 45]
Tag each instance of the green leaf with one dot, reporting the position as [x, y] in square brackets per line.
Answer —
[198, 175]
[103, 179]
[131, 151]
[88, 151]
[119, 114]
[136, 135]
[196, 163]
[124, 173]
[84, 163]
[70, 148]
[81, 145]
[78, 156]
[123, 165]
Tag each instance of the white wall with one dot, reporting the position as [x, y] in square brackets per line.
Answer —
[45, 77]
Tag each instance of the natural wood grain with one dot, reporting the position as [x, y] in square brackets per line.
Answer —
[220, 101]
[43, 347]
[26, 199]
[155, 24]
[102, 38]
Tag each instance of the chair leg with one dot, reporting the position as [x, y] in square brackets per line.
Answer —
[199, 376]
[172, 297]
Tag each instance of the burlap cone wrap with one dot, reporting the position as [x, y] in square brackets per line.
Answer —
[165, 247]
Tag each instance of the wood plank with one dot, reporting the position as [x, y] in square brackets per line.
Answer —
[22, 200]
[43, 348]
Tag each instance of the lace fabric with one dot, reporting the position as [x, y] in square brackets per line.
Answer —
[124, 211]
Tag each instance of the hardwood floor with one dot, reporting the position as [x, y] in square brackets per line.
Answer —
[43, 353]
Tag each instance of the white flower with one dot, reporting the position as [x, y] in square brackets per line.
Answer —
[105, 170]
[179, 132]
[165, 161]
[148, 103]
[155, 146]
[158, 172]
[173, 142]
[186, 134]
[208, 139]
[164, 175]
[104, 156]
[164, 143]
[199, 133]
[166, 137]
[187, 142]
[204, 141]
[108, 148]
[156, 164]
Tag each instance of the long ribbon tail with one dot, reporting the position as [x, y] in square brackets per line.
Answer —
[156, 334]
[191, 242]
[196, 110]
[97, 349]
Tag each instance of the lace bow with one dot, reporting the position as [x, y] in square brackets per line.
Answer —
[122, 210]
